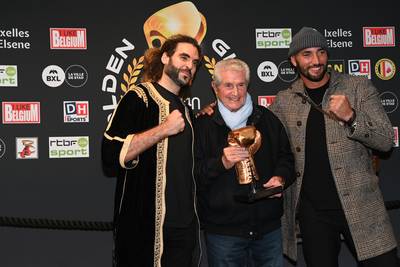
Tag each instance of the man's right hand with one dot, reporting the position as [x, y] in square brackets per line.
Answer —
[207, 110]
[233, 154]
[174, 123]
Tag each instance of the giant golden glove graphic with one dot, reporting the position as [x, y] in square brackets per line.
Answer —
[180, 18]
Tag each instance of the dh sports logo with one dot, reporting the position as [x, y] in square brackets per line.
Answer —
[76, 111]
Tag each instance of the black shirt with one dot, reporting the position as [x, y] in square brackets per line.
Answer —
[318, 185]
[179, 186]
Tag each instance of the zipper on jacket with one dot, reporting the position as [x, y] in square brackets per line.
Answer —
[195, 189]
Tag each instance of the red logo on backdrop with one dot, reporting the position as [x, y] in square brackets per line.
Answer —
[266, 100]
[27, 147]
[68, 38]
[378, 36]
[396, 136]
[21, 112]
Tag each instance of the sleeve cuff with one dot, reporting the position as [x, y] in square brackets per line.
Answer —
[124, 150]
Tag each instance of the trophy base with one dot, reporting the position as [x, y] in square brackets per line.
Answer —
[259, 194]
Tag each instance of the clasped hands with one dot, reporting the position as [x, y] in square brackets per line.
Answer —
[234, 154]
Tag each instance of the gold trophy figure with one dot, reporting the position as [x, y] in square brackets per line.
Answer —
[250, 138]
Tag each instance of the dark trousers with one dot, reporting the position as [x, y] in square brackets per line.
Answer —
[321, 230]
[179, 246]
[232, 251]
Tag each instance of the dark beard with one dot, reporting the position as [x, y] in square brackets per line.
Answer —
[173, 73]
[306, 74]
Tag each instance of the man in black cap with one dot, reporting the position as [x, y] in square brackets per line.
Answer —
[334, 121]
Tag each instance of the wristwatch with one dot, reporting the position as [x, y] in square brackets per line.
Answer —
[352, 123]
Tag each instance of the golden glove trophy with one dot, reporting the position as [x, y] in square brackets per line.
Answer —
[246, 172]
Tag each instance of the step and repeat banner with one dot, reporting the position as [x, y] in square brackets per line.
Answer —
[64, 66]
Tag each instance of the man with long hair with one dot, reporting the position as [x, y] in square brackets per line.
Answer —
[147, 145]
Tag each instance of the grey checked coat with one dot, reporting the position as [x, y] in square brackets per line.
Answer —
[350, 160]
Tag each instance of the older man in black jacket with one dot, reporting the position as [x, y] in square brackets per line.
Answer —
[234, 228]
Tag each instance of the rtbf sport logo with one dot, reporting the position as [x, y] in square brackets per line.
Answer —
[273, 38]
[68, 38]
[8, 76]
[21, 112]
[69, 147]
[76, 111]
[378, 36]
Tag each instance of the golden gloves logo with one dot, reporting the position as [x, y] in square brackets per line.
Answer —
[180, 18]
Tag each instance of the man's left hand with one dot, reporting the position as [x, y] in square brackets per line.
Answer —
[274, 182]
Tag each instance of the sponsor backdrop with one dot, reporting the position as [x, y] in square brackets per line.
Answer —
[64, 67]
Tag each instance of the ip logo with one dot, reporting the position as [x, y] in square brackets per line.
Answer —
[2, 148]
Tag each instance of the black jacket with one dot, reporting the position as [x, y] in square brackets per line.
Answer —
[219, 212]
[140, 197]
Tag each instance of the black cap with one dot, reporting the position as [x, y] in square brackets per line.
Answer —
[305, 38]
